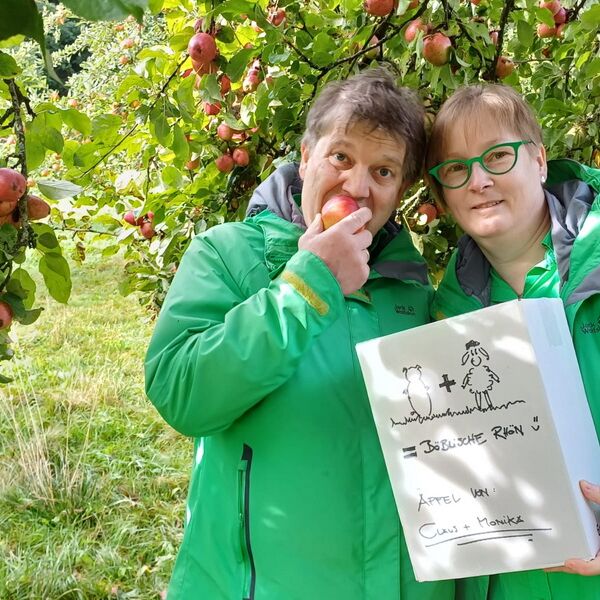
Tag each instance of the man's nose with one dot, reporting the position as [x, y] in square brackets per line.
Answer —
[480, 178]
[357, 181]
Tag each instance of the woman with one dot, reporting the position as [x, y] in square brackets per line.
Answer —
[532, 231]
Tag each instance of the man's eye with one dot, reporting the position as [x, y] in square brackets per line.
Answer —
[340, 157]
[385, 172]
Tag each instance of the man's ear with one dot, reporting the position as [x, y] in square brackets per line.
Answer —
[304, 153]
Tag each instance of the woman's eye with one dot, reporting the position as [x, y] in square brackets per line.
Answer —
[340, 157]
[456, 167]
[498, 155]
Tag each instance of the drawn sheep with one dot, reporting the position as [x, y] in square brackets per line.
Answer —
[480, 379]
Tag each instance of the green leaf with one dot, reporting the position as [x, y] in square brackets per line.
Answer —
[237, 65]
[544, 15]
[34, 151]
[77, 120]
[180, 144]
[52, 139]
[590, 18]
[56, 189]
[106, 128]
[22, 17]
[172, 177]
[525, 33]
[160, 126]
[27, 285]
[105, 10]
[55, 271]
[46, 238]
[8, 66]
[233, 8]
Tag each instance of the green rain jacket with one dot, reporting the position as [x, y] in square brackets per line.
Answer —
[573, 197]
[253, 355]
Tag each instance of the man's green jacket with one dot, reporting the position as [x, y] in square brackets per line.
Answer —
[253, 355]
[573, 197]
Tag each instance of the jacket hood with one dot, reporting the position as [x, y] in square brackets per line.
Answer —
[276, 194]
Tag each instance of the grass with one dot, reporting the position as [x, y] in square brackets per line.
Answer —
[92, 482]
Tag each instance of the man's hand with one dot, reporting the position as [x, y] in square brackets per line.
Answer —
[343, 248]
[579, 566]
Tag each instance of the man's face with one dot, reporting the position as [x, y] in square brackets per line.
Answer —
[359, 162]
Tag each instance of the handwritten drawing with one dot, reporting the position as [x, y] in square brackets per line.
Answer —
[417, 391]
[479, 379]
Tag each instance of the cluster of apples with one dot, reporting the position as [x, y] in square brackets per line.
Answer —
[12, 187]
[437, 47]
[203, 51]
[560, 20]
[144, 222]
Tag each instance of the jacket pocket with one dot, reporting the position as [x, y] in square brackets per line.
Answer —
[249, 571]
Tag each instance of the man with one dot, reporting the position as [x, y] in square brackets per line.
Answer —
[253, 355]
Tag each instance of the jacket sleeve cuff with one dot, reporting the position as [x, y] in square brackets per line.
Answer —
[312, 279]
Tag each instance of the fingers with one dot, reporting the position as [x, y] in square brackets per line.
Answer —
[355, 221]
[578, 566]
[590, 491]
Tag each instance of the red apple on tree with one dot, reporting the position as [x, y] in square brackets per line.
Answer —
[428, 212]
[212, 109]
[416, 25]
[560, 17]
[379, 8]
[202, 48]
[336, 208]
[7, 208]
[552, 5]
[129, 217]
[241, 157]
[224, 131]
[127, 43]
[193, 164]
[224, 163]
[147, 230]
[12, 185]
[545, 31]
[6, 315]
[225, 84]
[504, 67]
[277, 17]
[436, 49]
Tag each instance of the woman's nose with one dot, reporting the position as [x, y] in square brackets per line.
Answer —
[480, 178]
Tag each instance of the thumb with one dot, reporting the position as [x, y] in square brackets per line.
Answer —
[590, 491]
[315, 227]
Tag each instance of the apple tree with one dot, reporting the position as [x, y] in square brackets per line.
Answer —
[173, 120]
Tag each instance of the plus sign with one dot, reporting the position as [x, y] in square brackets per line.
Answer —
[447, 383]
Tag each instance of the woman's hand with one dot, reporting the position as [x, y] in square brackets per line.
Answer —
[579, 566]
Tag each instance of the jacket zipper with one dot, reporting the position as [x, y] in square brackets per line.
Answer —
[244, 515]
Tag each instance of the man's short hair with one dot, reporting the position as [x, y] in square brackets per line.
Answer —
[467, 107]
[373, 98]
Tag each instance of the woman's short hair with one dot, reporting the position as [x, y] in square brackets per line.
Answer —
[373, 98]
[467, 106]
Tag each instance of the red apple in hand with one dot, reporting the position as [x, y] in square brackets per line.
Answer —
[336, 208]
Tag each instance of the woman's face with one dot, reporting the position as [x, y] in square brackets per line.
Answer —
[496, 208]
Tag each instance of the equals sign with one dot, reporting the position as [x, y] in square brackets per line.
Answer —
[410, 452]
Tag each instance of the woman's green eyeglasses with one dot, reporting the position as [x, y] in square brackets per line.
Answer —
[497, 160]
